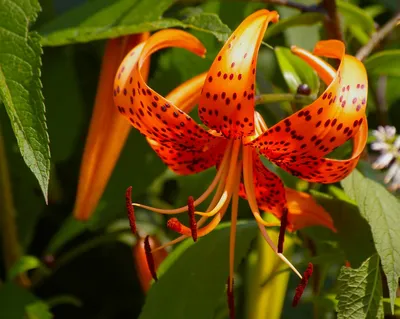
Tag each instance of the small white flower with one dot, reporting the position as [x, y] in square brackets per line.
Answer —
[383, 160]
[388, 144]
[393, 176]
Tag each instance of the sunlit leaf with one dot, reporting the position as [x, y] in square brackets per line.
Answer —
[357, 246]
[360, 291]
[101, 19]
[24, 264]
[381, 210]
[295, 71]
[20, 86]
[384, 63]
[193, 277]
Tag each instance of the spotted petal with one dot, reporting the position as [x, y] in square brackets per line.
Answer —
[149, 112]
[269, 189]
[272, 197]
[304, 211]
[227, 100]
[191, 160]
[297, 143]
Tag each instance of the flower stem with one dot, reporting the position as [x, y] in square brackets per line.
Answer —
[266, 301]
[284, 97]
[377, 38]
[332, 24]
[9, 235]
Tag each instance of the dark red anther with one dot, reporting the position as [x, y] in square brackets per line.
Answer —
[149, 258]
[192, 219]
[284, 222]
[130, 210]
[231, 300]
[302, 285]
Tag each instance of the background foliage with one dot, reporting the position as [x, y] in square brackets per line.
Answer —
[50, 54]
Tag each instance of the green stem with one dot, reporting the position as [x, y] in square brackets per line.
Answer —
[266, 300]
[11, 248]
[284, 97]
[332, 23]
[8, 228]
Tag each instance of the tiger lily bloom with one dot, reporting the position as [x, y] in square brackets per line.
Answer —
[107, 132]
[237, 135]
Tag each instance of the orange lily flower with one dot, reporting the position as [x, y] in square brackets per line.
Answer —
[238, 135]
[107, 131]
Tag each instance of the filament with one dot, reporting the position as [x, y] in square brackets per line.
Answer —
[202, 197]
[249, 186]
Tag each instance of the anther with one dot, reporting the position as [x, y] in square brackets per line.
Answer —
[149, 258]
[302, 285]
[192, 219]
[284, 222]
[130, 210]
[231, 299]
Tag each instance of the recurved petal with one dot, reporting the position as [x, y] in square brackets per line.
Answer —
[108, 130]
[187, 95]
[149, 112]
[298, 142]
[304, 211]
[227, 99]
[269, 189]
[327, 170]
[192, 159]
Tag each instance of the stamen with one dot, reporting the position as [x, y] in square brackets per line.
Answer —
[130, 210]
[231, 298]
[284, 222]
[192, 219]
[149, 258]
[251, 198]
[203, 219]
[218, 177]
[232, 236]
[175, 225]
[230, 182]
[302, 285]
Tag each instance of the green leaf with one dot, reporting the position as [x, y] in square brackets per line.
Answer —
[296, 71]
[309, 18]
[360, 291]
[24, 264]
[358, 246]
[354, 15]
[381, 210]
[20, 87]
[102, 19]
[384, 63]
[193, 277]
[38, 310]
[13, 300]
